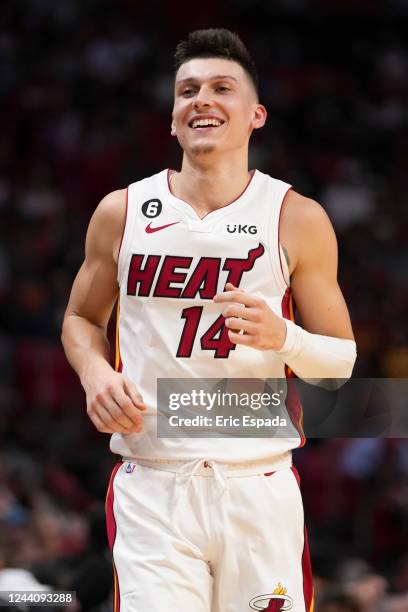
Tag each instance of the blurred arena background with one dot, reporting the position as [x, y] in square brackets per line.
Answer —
[86, 94]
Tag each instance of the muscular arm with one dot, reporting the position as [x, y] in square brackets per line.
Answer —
[113, 403]
[310, 242]
[94, 291]
[324, 347]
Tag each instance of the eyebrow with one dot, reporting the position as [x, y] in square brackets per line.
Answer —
[217, 77]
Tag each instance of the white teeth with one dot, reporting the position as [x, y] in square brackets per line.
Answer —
[206, 122]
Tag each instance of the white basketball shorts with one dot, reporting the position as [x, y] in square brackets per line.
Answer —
[205, 538]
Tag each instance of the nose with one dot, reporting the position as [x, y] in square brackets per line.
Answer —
[202, 99]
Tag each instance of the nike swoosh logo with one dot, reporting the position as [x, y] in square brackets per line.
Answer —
[150, 230]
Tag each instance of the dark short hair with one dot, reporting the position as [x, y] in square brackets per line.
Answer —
[216, 42]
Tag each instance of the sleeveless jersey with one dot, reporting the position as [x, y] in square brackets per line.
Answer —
[171, 264]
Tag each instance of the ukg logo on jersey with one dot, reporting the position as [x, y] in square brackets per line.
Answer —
[237, 228]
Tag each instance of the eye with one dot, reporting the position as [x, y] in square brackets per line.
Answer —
[187, 92]
[222, 88]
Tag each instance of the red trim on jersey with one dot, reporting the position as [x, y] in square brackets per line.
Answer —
[306, 563]
[288, 305]
[294, 406]
[118, 358]
[279, 232]
[293, 403]
[171, 171]
[116, 592]
[111, 531]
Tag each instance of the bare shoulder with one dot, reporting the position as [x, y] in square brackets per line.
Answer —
[108, 221]
[305, 228]
[302, 212]
[111, 210]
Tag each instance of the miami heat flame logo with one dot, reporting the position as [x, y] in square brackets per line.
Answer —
[277, 601]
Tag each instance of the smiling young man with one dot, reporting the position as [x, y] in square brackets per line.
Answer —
[206, 262]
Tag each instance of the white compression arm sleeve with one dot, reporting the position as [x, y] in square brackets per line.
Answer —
[314, 358]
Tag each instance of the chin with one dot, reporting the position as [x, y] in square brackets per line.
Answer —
[203, 149]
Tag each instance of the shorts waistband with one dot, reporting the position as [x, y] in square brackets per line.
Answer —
[200, 466]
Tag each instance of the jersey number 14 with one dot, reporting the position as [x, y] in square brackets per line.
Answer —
[214, 339]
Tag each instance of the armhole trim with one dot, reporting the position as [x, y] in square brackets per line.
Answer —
[121, 252]
[284, 265]
[285, 280]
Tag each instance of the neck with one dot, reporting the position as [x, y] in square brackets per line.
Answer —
[208, 186]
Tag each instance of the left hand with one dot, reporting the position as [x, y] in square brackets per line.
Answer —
[262, 328]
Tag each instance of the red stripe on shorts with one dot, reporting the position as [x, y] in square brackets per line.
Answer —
[296, 474]
[307, 575]
[111, 531]
[306, 563]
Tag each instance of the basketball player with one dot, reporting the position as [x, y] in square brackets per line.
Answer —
[204, 263]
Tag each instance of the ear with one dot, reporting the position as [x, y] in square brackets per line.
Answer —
[173, 128]
[259, 116]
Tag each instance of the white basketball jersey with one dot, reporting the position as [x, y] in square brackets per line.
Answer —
[171, 264]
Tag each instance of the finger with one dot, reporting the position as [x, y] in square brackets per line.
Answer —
[240, 338]
[102, 419]
[99, 424]
[232, 310]
[236, 296]
[231, 287]
[114, 425]
[127, 407]
[134, 394]
[116, 415]
[235, 323]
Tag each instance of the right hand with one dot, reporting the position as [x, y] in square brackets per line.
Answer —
[113, 403]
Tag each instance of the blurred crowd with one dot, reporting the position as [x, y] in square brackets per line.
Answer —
[85, 95]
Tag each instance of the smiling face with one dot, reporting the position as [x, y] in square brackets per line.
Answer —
[215, 107]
